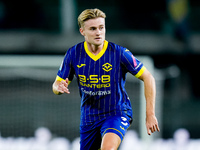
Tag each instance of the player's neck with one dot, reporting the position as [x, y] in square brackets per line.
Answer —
[95, 49]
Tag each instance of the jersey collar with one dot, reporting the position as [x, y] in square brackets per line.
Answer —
[96, 57]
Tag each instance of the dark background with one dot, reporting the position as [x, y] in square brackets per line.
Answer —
[34, 27]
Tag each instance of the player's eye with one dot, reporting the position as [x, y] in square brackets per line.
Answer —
[101, 28]
[92, 28]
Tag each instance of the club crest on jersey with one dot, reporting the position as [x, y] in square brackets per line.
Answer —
[107, 67]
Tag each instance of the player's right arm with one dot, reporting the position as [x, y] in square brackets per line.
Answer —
[65, 73]
[60, 86]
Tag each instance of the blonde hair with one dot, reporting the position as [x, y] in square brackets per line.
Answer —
[89, 14]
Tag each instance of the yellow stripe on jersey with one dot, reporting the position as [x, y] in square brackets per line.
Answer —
[140, 72]
[61, 79]
[96, 57]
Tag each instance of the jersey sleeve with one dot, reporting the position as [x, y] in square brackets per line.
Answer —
[66, 69]
[132, 64]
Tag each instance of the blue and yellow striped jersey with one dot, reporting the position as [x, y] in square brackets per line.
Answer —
[101, 79]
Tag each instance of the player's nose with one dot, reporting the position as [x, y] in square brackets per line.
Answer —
[98, 32]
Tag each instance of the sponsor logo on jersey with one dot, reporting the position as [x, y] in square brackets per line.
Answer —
[81, 65]
[95, 93]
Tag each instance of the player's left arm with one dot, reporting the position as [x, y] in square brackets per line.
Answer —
[150, 95]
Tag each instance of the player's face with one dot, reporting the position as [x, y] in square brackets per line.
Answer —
[94, 31]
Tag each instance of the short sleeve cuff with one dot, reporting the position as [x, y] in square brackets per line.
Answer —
[140, 72]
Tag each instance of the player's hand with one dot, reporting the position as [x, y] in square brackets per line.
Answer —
[152, 124]
[63, 86]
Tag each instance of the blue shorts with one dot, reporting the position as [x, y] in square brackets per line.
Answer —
[91, 135]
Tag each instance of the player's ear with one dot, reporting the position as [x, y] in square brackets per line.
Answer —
[82, 31]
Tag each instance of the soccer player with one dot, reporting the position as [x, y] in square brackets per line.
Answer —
[100, 68]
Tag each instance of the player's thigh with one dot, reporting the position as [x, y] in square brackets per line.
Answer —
[113, 130]
[110, 141]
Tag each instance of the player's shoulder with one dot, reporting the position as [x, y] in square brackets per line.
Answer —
[116, 47]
